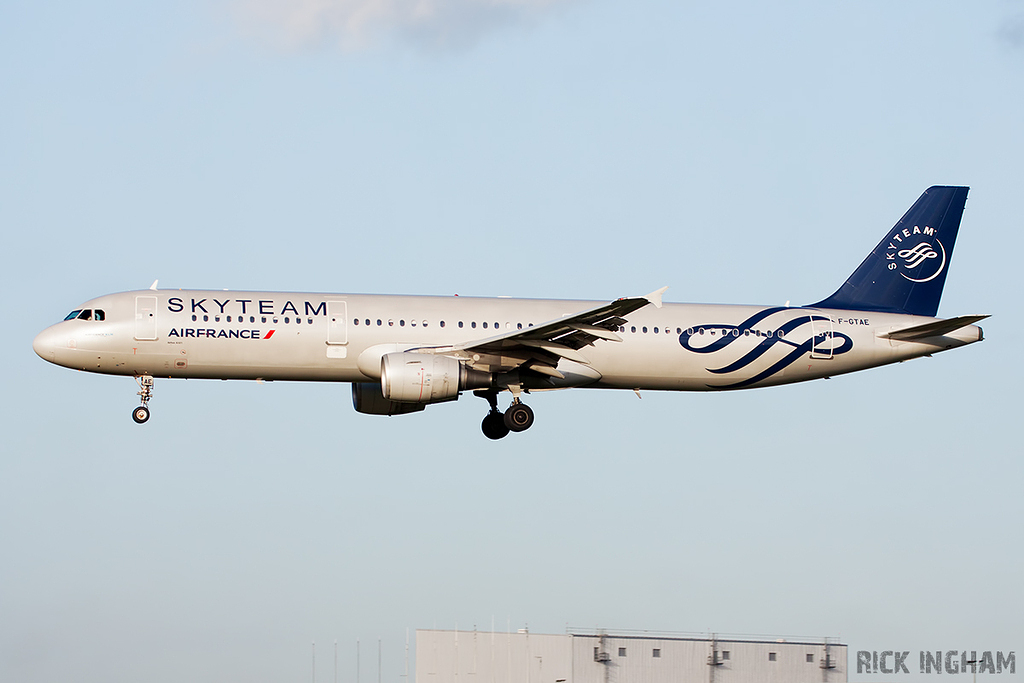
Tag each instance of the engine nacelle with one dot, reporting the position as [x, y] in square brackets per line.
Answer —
[367, 399]
[427, 378]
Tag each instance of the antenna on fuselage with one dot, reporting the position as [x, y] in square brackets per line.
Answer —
[153, 286]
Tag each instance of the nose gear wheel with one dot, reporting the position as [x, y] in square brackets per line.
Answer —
[141, 414]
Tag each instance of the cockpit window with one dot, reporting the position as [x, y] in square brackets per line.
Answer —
[87, 314]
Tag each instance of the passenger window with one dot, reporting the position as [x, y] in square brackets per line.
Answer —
[99, 314]
[401, 323]
[73, 314]
[286, 321]
[413, 323]
[442, 323]
[424, 323]
[263, 318]
[655, 330]
[391, 322]
[519, 326]
[473, 324]
[194, 317]
[206, 318]
[356, 321]
[367, 322]
[460, 324]
[252, 318]
[633, 328]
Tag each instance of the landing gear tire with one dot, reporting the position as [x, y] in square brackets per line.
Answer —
[140, 414]
[518, 417]
[493, 426]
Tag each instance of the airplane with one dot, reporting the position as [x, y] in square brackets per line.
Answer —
[402, 353]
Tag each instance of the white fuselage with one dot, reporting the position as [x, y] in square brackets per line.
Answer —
[341, 338]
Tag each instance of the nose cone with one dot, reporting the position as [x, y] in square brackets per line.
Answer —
[45, 344]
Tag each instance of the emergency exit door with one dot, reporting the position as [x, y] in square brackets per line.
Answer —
[337, 328]
[145, 318]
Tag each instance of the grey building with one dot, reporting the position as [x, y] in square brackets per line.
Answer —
[623, 657]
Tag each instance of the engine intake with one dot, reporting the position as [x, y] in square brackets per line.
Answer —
[427, 378]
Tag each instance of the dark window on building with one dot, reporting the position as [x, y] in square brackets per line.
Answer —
[725, 655]
[771, 656]
[622, 652]
[810, 658]
[656, 652]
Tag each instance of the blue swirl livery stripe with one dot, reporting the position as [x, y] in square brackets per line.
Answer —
[733, 333]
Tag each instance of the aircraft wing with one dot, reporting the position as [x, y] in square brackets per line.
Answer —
[539, 348]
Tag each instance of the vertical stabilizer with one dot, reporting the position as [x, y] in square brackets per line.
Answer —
[906, 271]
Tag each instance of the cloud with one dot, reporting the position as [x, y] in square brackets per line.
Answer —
[359, 24]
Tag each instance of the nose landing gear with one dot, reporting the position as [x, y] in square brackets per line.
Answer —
[141, 414]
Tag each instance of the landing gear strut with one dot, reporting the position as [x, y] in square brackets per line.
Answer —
[497, 425]
[141, 414]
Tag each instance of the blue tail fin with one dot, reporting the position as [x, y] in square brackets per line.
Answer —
[906, 271]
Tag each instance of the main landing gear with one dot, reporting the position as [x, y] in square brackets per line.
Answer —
[497, 425]
[141, 414]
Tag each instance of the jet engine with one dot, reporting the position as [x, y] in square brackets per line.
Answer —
[367, 399]
[427, 378]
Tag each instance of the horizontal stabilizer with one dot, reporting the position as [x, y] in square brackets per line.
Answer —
[934, 329]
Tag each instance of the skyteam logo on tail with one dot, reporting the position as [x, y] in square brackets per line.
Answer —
[920, 262]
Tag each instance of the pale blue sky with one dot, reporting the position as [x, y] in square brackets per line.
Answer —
[734, 151]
